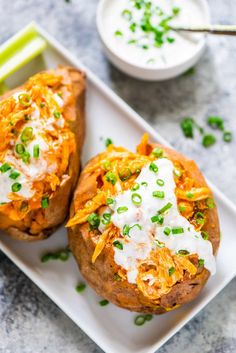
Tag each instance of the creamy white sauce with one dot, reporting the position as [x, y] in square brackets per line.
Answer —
[38, 167]
[183, 47]
[138, 245]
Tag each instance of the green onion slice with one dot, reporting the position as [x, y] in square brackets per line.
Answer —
[5, 167]
[177, 230]
[171, 271]
[125, 174]
[27, 134]
[103, 302]
[158, 152]
[160, 182]
[158, 194]
[14, 175]
[122, 209]
[16, 187]
[20, 149]
[118, 244]
[44, 202]
[135, 187]
[93, 220]
[24, 99]
[111, 177]
[80, 288]
[153, 167]
[165, 208]
[136, 199]
[36, 151]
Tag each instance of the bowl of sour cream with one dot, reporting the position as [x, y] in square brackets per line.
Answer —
[138, 39]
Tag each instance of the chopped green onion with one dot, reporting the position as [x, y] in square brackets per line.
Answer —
[208, 140]
[27, 117]
[127, 14]
[171, 271]
[182, 208]
[189, 195]
[159, 244]
[108, 142]
[158, 194]
[135, 187]
[210, 203]
[165, 208]
[227, 136]
[62, 255]
[177, 230]
[201, 262]
[107, 166]
[107, 218]
[126, 229]
[183, 252]
[36, 151]
[132, 27]
[167, 231]
[93, 220]
[157, 219]
[160, 182]
[118, 33]
[136, 199]
[16, 187]
[14, 175]
[109, 201]
[125, 174]
[25, 157]
[187, 126]
[204, 234]
[80, 288]
[103, 302]
[144, 183]
[42, 105]
[170, 40]
[153, 167]
[20, 149]
[140, 320]
[176, 10]
[111, 177]
[57, 114]
[122, 209]
[5, 167]
[118, 244]
[200, 218]
[148, 317]
[45, 202]
[216, 122]
[25, 99]
[27, 134]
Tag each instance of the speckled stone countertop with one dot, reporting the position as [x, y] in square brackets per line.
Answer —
[29, 321]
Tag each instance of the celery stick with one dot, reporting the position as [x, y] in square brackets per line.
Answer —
[19, 50]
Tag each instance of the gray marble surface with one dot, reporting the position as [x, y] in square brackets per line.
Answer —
[29, 321]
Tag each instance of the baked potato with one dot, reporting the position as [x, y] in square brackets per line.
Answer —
[144, 227]
[41, 132]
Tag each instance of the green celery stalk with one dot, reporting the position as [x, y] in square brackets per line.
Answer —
[19, 50]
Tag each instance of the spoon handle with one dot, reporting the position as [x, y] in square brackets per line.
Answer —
[212, 29]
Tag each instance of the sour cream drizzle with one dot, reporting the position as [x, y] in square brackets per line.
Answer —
[138, 245]
[37, 167]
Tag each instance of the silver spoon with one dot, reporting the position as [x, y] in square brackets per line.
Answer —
[212, 29]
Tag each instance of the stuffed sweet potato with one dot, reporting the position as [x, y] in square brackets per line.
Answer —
[144, 228]
[41, 135]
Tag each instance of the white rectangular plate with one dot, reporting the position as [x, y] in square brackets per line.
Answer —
[110, 327]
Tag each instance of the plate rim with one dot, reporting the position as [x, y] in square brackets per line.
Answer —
[135, 117]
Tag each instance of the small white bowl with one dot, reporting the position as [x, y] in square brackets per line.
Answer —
[144, 72]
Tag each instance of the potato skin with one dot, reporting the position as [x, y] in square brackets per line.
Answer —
[100, 275]
[58, 207]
